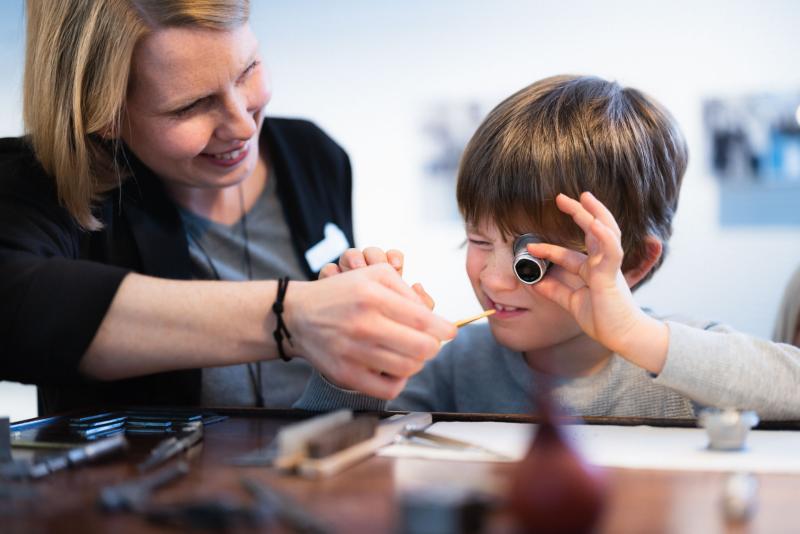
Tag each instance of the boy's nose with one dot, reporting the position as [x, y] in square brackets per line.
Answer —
[498, 275]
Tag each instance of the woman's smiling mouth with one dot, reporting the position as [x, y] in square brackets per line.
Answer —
[230, 158]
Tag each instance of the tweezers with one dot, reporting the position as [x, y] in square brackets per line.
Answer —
[424, 438]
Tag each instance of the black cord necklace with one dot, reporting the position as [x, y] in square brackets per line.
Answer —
[254, 369]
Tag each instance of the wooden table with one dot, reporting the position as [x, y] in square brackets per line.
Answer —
[364, 498]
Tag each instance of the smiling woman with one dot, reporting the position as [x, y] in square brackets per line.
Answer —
[194, 109]
[151, 203]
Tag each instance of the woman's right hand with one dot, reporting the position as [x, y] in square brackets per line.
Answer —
[364, 329]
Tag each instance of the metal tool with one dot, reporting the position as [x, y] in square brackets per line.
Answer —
[173, 446]
[133, 495]
[72, 457]
[287, 511]
[421, 437]
[385, 434]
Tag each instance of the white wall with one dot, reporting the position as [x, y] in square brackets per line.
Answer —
[368, 71]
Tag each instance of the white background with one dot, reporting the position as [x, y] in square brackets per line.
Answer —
[367, 72]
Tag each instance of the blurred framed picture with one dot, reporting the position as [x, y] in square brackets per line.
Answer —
[754, 153]
[447, 127]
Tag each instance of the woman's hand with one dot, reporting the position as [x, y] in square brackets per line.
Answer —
[353, 258]
[602, 304]
[364, 329]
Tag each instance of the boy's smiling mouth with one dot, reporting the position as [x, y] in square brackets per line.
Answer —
[505, 311]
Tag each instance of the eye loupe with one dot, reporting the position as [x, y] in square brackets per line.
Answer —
[529, 269]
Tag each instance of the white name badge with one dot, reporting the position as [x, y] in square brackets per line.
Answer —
[327, 250]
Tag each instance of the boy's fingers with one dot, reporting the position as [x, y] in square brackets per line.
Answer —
[330, 269]
[600, 211]
[396, 260]
[575, 209]
[570, 260]
[374, 255]
[612, 252]
[352, 258]
[555, 290]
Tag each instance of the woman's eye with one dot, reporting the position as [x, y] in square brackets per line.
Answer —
[250, 68]
[182, 112]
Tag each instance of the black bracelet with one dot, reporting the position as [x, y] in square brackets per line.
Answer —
[280, 327]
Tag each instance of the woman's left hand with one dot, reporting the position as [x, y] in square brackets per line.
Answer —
[354, 258]
[602, 305]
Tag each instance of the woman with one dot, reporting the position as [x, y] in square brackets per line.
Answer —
[148, 162]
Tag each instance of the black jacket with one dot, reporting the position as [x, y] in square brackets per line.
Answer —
[57, 281]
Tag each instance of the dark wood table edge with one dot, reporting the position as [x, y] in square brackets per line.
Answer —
[294, 415]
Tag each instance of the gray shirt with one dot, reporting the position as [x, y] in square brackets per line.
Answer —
[707, 365]
[218, 250]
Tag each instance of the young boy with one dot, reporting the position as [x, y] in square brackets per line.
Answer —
[593, 170]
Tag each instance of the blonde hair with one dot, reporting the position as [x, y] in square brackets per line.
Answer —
[77, 67]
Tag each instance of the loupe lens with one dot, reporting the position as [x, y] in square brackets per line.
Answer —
[528, 271]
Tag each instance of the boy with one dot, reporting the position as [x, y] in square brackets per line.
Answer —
[593, 170]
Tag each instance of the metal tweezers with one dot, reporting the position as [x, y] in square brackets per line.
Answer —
[423, 438]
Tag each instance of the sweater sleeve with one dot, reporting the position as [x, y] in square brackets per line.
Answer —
[429, 390]
[719, 367]
[51, 303]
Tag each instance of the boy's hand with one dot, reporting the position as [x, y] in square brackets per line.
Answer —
[353, 258]
[604, 306]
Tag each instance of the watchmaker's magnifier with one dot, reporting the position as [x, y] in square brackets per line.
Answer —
[529, 269]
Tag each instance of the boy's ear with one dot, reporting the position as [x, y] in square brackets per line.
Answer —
[653, 250]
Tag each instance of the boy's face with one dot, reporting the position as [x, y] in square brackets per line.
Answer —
[524, 321]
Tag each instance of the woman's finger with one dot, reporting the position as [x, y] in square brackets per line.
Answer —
[352, 375]
[328, 270]
[426, 298]
[402, 304]
[401, 338]
[385, 361]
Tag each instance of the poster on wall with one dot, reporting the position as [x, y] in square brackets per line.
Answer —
[754, 154]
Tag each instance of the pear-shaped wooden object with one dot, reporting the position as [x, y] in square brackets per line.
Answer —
[554, 491]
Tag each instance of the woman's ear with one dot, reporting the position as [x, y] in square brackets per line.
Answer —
[653, 248]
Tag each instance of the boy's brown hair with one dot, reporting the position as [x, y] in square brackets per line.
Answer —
[569, 134]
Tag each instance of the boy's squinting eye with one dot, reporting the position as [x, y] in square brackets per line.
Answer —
[478, 242]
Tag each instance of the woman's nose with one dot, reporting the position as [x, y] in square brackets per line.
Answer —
[239, 121]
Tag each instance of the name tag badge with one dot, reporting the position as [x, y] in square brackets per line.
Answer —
[327, 250]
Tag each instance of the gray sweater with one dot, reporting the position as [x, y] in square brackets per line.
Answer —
[707, 365]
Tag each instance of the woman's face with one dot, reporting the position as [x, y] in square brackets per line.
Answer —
[194, 106]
